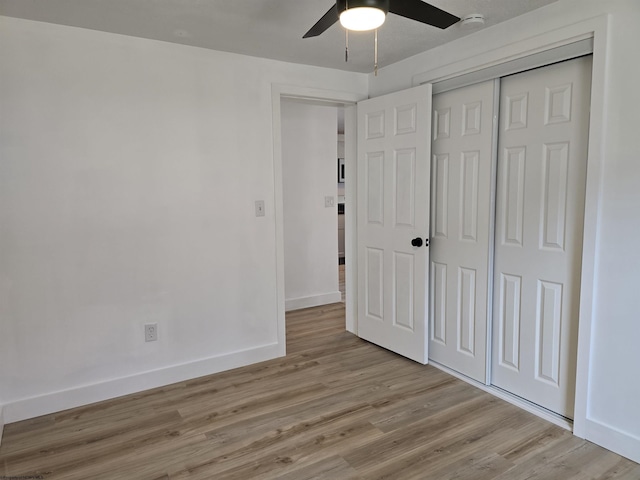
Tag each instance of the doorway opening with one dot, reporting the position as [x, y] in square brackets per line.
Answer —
[341, 206]
[309, 97]
[310, 203]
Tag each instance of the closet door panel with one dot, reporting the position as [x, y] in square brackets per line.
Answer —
[542, 159]
[460, 232]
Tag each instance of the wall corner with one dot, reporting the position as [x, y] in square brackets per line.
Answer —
[1, 422]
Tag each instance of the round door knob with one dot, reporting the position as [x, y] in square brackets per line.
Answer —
[416, 242]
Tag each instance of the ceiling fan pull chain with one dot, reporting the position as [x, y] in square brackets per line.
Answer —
[346, 48]
[375, 53]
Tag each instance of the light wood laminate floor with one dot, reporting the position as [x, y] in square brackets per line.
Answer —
[335, 407]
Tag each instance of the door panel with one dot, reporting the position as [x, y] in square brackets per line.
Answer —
[461, 180]
[467, 310]
[374, 284]
[509, 329]
[393, 208]
[405, 174]
[513, 194]
[374, 188]
[539, 223]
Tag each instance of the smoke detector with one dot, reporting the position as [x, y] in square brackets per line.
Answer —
[473, 20]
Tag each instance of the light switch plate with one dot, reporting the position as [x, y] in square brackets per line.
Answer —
[329, 201]
[259, 208]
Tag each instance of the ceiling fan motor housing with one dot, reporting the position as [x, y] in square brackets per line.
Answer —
[379, 4]
[364, 15]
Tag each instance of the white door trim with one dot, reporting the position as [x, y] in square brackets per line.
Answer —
[492, 225]
[348, 100]
[546, 42]
[529, 62]
[598, 29]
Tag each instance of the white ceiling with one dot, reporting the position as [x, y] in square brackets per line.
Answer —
[264, 28]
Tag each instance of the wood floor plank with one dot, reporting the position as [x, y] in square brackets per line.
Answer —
[328, 469]
[336, 407]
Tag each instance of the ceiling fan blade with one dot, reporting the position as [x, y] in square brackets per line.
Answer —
[325, 22]
[422, 12]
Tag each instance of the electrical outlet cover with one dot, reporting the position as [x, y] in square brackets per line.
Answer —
[151, 332]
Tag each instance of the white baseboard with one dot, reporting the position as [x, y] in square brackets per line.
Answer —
[613, 439]
[87, 394]
[312, 301]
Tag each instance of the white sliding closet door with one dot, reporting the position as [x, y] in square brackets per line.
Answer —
[460, 227]
[539, 224]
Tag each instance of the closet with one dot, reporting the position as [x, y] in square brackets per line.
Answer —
[507, 207]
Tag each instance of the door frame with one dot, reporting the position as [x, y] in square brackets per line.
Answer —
[348, 101]
[596, 29]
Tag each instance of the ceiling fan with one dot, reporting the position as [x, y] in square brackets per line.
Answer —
[362, 15]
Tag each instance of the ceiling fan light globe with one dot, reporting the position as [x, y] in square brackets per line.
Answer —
[362, 19]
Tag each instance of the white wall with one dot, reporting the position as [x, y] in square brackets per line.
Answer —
[309, 157]
[128, 174]
[613, 418]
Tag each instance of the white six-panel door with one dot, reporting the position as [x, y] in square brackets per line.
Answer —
[544, 118]
[460, 227]
[393, 209]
